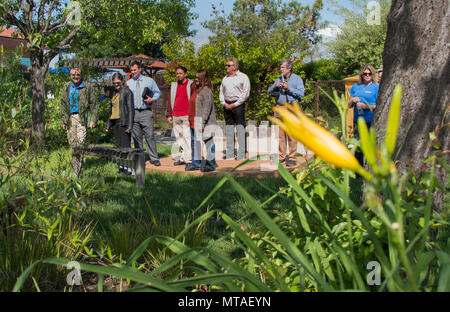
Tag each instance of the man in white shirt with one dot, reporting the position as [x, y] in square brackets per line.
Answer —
[234, 91]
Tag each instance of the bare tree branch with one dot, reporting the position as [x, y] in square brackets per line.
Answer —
[41, 14]
[11, 18]
[64, 44]
[46, 30]
[69, 38]
[27, 9]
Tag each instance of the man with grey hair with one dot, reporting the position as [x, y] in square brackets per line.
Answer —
[79, 110]
[287, 88]
[234, 91]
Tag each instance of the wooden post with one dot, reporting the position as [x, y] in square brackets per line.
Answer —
[317, 97]
[139, 160]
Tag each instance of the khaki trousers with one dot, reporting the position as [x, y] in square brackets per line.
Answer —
[76, 135]
[284, 138]
[182, 132]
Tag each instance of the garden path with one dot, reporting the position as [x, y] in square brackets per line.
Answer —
[258, 168]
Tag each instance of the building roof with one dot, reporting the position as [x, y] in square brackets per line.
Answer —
[120, 62]
[10, 38]
[7, 32]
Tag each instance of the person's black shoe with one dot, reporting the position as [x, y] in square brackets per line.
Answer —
[291, 163]
[207, 169]
[189, 167]
[179, 163]
[157, 163]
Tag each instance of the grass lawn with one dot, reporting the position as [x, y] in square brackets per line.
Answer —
[124, 216]
[119, 217]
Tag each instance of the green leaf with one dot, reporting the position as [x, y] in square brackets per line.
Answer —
[289, 246]
[393, 120]
[367, 145]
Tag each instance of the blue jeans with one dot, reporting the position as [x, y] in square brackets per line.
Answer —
[197, 152]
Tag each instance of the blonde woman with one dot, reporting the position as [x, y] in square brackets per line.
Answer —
[363, 97]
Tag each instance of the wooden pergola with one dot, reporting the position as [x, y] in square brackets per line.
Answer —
[150, 65]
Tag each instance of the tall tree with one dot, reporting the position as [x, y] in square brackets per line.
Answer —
[262, 22]
[361, 37]
[259, 33]
[146, 25]
[417, 55]
[44, 25]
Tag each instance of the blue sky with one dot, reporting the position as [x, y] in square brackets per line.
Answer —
[204, 10]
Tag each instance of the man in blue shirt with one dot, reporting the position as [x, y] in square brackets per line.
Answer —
[79, 110]
[145, 93]
[288, 88]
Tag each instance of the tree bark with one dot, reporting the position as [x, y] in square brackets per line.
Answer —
[416, 54]
[38, 71]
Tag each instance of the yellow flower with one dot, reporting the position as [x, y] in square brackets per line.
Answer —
[317, 139]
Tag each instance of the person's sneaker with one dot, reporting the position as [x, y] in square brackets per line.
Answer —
[179, 163]
[189, 167]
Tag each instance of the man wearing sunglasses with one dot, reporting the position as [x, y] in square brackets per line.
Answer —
[78, 111]
[234, 91]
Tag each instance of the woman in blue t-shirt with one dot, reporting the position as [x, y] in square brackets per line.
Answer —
[363, 97]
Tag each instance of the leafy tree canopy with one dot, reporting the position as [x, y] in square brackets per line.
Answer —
[361, 39]
[126, 27]
[263, 22]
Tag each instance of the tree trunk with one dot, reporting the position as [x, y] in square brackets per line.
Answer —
[416, 54]
[38, 71]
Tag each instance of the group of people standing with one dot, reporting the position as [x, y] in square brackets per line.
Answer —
[191, 111]
[130, 116]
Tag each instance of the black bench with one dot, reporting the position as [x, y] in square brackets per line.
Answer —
[134, 157]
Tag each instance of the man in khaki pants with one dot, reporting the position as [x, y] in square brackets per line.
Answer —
[287, 88]
[78, 99]
[178, 113]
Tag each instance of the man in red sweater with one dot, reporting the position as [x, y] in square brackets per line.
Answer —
[178, 113]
